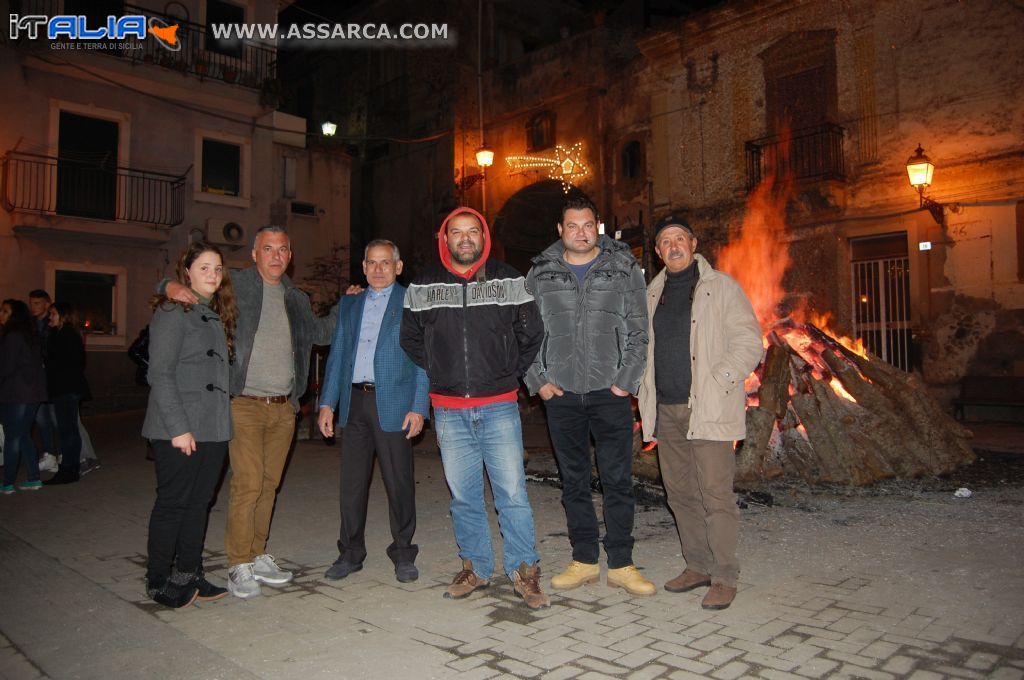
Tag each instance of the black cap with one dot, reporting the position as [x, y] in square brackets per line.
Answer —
[671, 221]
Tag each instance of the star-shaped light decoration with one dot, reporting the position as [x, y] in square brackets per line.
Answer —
[567, 167]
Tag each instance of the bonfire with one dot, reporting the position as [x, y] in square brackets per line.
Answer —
[820, 406]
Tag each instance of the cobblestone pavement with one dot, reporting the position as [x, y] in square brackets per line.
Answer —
[917, 586]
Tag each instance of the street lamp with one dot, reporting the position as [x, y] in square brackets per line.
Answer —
[920, 170]
[485, 157]
[329, 128]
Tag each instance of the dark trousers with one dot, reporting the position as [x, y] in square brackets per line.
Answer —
[65, 407]
[572, 419]
[359, 439]
[184, 491]
[17, 421]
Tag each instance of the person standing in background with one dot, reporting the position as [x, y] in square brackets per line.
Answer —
[67, 387]
[22, 389]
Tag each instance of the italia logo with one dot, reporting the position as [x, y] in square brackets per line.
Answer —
[75, 27]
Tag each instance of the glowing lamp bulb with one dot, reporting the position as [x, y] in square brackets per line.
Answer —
[920, 169]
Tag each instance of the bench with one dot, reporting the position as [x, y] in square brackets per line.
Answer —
[980, 390]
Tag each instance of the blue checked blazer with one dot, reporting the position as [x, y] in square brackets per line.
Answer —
[401, 386]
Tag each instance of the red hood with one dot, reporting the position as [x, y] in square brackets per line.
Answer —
[442, 243]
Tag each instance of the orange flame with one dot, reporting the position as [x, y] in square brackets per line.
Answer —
[760, 257]
[758, 260]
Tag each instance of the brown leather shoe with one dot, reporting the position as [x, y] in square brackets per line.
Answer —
[718, 597]
[526, 581]
[466, 581]
[687, 581]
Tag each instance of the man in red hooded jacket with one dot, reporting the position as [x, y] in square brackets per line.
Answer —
[471, 323]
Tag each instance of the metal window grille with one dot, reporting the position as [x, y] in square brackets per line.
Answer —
[881, 308]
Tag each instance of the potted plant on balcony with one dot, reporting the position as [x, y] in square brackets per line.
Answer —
[230, 74]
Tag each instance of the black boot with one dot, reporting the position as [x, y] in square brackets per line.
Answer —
[175, 592]
[207, 591]
[63, 477]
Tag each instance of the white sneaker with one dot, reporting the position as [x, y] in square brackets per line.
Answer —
[48, 463]
[241, 582]
[265, 569]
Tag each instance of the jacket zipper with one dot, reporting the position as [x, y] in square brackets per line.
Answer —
[465, 340]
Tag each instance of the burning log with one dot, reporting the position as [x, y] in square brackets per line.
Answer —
[826, 414]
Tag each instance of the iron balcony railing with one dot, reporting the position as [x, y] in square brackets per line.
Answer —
[196, 51]
[809, 153]
[239, 62]
[56, 186]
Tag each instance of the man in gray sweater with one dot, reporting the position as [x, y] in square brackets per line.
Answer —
[276, 330]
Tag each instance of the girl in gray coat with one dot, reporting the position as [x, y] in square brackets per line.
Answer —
[188, 422]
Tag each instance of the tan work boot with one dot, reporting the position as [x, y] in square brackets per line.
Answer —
[687, 581]
[575, 575]
[526, 581]
[719, 597]
[466, 581]
[631, 580]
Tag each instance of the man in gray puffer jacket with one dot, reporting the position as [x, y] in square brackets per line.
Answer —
[590, 292]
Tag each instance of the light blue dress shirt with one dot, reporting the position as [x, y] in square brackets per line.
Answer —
[373, 313]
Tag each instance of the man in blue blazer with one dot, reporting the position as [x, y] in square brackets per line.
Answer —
[380, 399]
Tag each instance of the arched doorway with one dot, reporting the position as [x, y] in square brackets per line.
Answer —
[526, 224]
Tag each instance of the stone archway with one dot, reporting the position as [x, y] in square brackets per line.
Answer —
[526, 224]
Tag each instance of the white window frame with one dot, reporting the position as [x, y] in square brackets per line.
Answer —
[243, 200]
[119, 305]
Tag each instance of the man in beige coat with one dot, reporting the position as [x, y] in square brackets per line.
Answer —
[697, 408]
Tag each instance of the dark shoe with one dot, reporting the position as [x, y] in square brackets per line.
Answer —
[341, 568]
[63, 477]
[687, 581]
[526, 582]
[207, 591]
[719, 597]
[465, 582]
[406, 572]
[175, 592]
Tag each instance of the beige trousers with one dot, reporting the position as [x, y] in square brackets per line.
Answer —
[698, 477]
[263, 437]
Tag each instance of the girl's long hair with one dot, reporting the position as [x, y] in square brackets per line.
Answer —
[223, 301]
[21, 321]
[68, 315]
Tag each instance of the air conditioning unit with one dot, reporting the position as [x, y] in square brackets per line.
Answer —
[225, 233]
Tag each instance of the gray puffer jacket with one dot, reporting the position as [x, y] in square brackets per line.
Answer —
[307, 328]
[595, 334]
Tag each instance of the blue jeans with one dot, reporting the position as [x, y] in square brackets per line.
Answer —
[487, 437]
[17, 421]
[65, 407]
[46, 419]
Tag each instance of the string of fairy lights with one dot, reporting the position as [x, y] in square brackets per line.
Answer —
[566, 166]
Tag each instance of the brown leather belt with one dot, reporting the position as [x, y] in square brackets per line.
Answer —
[265, 400]
[365, 387]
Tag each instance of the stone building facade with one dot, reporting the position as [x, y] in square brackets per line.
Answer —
[117, 156]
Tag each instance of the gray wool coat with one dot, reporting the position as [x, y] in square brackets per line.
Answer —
[188, 375]
[307, 329]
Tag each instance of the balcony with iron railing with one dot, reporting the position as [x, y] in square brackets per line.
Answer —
[48, 185]
[241, 63]
[812, 153]
[195, 51]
